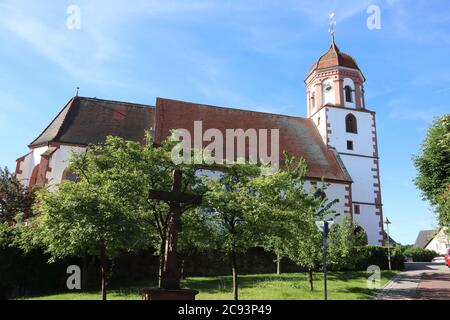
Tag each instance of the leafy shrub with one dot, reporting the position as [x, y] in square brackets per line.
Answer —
[23, 274]
[420, 254]
[377, 255]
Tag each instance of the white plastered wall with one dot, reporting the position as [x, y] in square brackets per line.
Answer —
[311, 91]
[362, 141]
[28, 164]
[370, 222]
[440, 243]
[322, 127]
[59, 162]
[360, 165]
[335, 191]
[360, 169]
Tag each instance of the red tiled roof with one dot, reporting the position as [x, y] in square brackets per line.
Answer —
[298, 136]
[86, 121]
[333, 58]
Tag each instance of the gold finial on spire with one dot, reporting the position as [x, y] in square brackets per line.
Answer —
[332, 25]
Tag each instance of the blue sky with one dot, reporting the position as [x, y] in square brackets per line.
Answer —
[250, 54]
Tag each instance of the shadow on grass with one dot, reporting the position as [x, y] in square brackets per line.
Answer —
[286, 285]
[362, 292]
[354, 275]
[223, 284]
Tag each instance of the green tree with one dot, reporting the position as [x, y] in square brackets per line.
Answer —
[289, 208]
[198, 235]
[345, 243]
[16, 200]
[5, 235]
[229, 203]
[281, 199]
[105, 213]
[433, 168]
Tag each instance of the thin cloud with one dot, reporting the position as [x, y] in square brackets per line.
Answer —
[318, 11]
[410, 114]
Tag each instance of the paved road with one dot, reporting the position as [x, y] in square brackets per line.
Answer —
[420, 281]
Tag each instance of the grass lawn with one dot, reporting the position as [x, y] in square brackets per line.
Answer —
[341, 286]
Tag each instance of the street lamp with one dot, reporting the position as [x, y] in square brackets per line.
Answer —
[324, 227]
[387, 223]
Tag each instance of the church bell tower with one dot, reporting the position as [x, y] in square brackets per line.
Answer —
[336, 105]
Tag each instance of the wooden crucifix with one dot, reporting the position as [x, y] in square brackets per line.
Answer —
[178, 203]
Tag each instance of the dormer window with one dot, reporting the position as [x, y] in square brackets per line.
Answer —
[348, 94]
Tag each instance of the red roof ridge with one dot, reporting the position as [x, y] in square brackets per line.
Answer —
[130, 104]
[231, 108]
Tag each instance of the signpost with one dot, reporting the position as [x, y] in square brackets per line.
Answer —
[324, 227]
[387, 222]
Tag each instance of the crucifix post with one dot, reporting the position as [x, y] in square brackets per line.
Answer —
[178, 202]
[170, 278]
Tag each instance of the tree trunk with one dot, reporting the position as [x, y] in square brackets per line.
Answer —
[182, 270]
[85, 272]
[235, 276]
[278, 264]
[104, 268]
[310, 280]
[161, 263]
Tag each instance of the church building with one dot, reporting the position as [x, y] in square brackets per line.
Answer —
[337, 139]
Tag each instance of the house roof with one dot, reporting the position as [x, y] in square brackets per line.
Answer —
[424, 237]
[391, 240]
[298, 136]
[86, 121]
[334, 58]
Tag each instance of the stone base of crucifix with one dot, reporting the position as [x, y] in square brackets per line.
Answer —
[161, 294]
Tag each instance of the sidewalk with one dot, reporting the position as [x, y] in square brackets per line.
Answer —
[434, 287]
[419, 281]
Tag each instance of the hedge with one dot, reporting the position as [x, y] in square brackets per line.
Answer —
[378, 256]
[420, 254]
[30, 274]
[24, 274]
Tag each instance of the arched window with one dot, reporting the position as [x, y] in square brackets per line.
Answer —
[328, 92]
[360, 233]
[313, 100]
[350, 124]
[67, 175]
[348, 94]
[34, 176]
